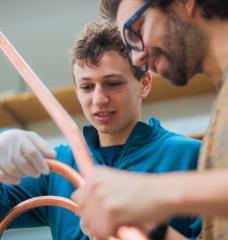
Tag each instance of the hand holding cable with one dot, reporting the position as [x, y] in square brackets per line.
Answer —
[22, 154]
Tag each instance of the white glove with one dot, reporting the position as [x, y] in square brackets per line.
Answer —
[22, 154]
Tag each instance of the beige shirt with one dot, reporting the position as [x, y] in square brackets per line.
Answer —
[214, 154]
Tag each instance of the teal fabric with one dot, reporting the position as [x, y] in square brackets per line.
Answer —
[149, 148]
[110, 154]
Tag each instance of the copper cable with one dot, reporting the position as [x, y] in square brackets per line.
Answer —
[70, 174]
[57, 167]
[34, 203]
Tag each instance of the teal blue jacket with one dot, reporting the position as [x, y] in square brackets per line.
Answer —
[149, 148]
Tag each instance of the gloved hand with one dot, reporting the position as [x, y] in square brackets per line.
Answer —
[22, 154]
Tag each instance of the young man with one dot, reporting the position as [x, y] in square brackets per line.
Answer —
[110, 92]
[177, 39]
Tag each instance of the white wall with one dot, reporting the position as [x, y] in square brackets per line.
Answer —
[43, 33]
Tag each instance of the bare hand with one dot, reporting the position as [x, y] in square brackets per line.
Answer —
[112, 198]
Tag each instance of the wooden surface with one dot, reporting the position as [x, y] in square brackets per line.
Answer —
[25, 108]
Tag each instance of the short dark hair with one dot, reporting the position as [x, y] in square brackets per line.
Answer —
[96, 39]
[210, 8]
[214, 8]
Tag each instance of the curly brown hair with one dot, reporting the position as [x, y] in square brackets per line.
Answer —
[209, 8]
[94, 41]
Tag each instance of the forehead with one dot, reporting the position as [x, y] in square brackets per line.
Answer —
[126, 9]
[111, 63]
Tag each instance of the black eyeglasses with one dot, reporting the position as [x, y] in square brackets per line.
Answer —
[132, 38]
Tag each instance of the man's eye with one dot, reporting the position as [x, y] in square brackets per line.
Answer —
[113, 84]
[86, 87]
[132, 36]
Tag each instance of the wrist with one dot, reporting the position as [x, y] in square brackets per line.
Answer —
[163, 193]
[201, 193]
[173, 194]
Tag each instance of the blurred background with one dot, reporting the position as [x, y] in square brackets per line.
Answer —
[43, 32]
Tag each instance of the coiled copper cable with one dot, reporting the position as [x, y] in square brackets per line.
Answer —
[57, 167]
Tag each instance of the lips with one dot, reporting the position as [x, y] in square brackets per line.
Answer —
[153, 64]
[104, 116]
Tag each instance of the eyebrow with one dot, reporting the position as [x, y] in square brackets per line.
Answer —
[103, 77]
[84, 79]
[112, 76]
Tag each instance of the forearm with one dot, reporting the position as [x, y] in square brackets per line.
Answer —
[197, 193]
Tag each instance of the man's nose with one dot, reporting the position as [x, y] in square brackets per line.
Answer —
[139, 59]
[100, 96]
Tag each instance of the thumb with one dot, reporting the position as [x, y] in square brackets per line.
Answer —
[75, 196]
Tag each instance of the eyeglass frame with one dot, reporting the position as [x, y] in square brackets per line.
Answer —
[128, 24]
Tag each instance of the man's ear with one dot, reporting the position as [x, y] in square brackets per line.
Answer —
[185, 8]
[146, 82]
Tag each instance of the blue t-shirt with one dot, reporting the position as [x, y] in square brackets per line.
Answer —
[110, 154]
[149, 148]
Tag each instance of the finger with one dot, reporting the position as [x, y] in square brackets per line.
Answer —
[75, 196]
[4, 178]
[32, 154]
[42, 145]
[39, 164]
[78, 196]
[83, 227]
[21, 163]
[25, 166]
[98, 234]
[10, 169]
[149, 227]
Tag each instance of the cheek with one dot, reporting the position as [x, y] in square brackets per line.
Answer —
[130, 100]
[155, 29]
[85, 103]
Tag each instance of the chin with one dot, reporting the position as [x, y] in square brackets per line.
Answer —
[181, 80]
[104, 130]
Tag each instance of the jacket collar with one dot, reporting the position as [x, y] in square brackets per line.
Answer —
[141, 134]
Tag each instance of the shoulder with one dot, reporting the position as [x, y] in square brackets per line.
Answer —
[185, 150]
[166, 138]
[182, 143]
[172, 138]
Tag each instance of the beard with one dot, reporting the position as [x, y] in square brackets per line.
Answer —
[185, 49]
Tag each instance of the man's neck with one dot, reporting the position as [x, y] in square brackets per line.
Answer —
[216, 60]
[117, 138]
